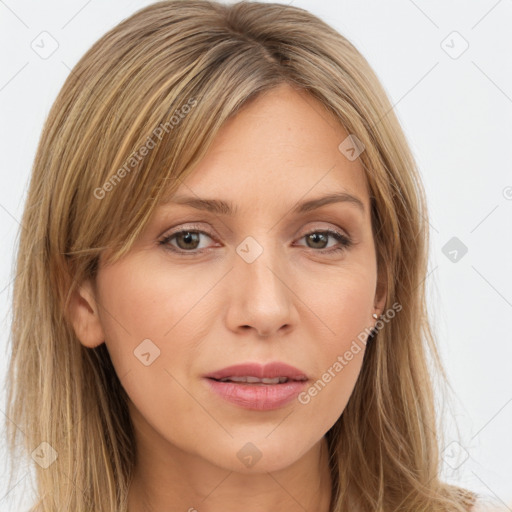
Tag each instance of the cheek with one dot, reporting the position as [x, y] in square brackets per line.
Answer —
[345, 304]
[349, 313]
[342, 300]
[140, 303]
[146, 311]
[154, 320]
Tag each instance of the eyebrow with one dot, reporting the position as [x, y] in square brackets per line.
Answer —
[220, 207]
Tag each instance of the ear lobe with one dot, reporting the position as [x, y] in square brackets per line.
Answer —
[83, 313]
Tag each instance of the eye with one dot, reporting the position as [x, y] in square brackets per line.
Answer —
[188, 241]
[322, 236]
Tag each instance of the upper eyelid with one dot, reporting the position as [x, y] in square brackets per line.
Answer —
[346, 220]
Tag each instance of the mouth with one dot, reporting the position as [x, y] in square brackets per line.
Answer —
[258, 387]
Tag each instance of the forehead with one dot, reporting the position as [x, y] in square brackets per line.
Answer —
[282, 144]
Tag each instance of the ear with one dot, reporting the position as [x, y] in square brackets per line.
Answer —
[381, 290]
[83, 314]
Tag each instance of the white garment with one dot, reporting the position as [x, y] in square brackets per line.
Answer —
[490, 504]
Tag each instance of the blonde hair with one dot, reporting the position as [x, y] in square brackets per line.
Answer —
[93, 189]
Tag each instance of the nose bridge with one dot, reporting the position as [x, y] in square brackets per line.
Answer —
[262, 297]
[258, 263]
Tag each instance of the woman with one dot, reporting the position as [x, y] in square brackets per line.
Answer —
[253, 369]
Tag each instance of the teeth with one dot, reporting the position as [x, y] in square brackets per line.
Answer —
[275, 380]
[255, 380]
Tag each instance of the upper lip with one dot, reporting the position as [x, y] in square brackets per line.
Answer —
[262, 371]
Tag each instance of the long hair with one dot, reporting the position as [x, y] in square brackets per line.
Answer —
[166, 79]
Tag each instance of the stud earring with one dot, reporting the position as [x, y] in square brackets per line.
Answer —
[375, 316]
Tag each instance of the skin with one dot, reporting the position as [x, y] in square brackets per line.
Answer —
[294, 303]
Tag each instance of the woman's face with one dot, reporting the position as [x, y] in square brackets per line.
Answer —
[261, 285]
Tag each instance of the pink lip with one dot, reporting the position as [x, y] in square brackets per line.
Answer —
[269, 370]
[258, 396]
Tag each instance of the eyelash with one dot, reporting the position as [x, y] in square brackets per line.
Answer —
[344, 241]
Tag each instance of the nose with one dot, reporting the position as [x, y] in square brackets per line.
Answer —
[262, 298]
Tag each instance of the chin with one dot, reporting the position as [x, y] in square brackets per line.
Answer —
[259, 455]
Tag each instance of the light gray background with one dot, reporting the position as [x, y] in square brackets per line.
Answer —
[456, 109]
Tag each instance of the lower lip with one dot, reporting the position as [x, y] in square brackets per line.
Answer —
[259, 397]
